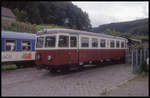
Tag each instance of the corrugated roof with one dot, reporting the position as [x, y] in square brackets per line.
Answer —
[18, 35]
[62, 30]
[7, 12]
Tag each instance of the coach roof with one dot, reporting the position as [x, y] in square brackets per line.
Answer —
[18, 35]
[61, 30]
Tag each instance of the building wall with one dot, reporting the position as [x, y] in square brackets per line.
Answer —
[8, 18]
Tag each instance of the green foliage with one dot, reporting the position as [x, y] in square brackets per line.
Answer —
[142, 70]
[137, 27]
[18, 26]
[140, 37]
[8, 67]
[112, 32]
[26, 27]
[44, 26]
[126, 35]
[20, 15]
[60, 13]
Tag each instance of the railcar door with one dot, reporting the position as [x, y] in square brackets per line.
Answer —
[73, 53]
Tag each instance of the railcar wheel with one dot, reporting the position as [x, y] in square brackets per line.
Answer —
[53, 70]
[38, 67]
[80, 67]
[64, 70]
[24, 66]
[18, 66]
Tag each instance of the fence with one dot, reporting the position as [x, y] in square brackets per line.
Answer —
[136, 57]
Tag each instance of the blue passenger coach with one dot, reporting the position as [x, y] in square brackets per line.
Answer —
[17, 47]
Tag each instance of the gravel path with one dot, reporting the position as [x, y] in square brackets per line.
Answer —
[88, 82]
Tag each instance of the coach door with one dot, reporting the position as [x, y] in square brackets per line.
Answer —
[73, 49]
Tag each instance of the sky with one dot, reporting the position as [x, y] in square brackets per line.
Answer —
[111, 12]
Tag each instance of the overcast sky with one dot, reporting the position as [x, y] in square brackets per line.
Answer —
[108, 12]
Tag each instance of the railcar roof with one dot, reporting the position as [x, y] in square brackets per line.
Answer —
[62, 30]
[18, 35]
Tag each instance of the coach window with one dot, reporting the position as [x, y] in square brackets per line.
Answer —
[63, 41]
[84, 42]
[26, 45]
[94, 42]
[117, 44]
[10, 45]
[112, 43]
[73, 41]
[122, 44]
[102, 43]
[40, 41]
[50, 41]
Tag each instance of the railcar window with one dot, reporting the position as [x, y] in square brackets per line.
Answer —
[26, 45]
[40, 41]
[84, 42]
[63, 41]
[112, 43]
[50, 41]
[122, 44]
[94, 42]
[73, 41]
[117, 44]
[102, 43]
[10, 45]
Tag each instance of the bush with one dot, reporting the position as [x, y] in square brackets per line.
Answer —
[8, 67]
[26, 27]
[18, 26]
[143, 69]
[48, 26]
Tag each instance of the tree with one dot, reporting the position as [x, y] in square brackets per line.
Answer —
[44, 12]
[20, 15]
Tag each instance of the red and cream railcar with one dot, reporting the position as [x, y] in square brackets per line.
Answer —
[63, 48]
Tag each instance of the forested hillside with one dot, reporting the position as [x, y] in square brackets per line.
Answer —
[139, 27]
[37, 15]
[43, 12]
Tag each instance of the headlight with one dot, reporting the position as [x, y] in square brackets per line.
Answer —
[49, 58]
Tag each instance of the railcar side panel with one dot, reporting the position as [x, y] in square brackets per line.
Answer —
[19, 48]
[59, 57]
[62, 57]
[17, 56]
[93, 55]
[33, 45]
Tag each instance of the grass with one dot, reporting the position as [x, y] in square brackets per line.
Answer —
[46, 26]
[26, 27]
[17, 26]
[8, 67]
[141, 74]
[142, 70]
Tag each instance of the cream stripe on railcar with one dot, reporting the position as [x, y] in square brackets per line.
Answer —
[61, 30]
